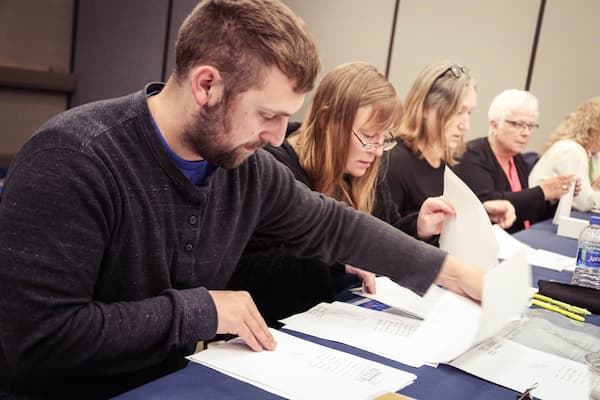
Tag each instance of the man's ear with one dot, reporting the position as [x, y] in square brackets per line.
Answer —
[207, 85]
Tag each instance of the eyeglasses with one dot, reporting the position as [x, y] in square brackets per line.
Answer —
[388, 143]
[521, 126]
[456, 71]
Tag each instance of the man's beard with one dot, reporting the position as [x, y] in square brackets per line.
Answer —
[206, 135]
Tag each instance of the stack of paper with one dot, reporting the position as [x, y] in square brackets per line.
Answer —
[298, 369]
[452, 323]
[515, 366]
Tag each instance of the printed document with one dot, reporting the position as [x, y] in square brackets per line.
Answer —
[515, 366]
[298, 369]
[468, 235]
[451, 326]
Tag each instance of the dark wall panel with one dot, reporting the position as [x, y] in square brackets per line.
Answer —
[119, 46]
[181, 8]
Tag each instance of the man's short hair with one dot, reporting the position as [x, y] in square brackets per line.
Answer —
[242, 38]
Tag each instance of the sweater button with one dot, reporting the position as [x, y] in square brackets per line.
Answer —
[192, 220]
[188, 247]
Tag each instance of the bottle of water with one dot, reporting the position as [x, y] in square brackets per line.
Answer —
[587, 267]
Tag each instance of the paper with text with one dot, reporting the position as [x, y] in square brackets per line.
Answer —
[451, 326]
[381, 333]
[298, 369]
[467, 235]
[517, 367]
[401, 298]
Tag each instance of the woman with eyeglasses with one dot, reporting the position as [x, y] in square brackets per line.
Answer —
[336, 151]
[571, 148]
[494, 168]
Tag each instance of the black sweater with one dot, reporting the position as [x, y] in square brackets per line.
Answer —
[108, 251]
[283, 284]
[480, 170]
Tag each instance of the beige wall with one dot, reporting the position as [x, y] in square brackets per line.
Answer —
[493, 38]
[346, 31]
[567, 67]
[35, 35]
[488, 37]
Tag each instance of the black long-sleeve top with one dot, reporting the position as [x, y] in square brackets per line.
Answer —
[411, 179]
[480, 170]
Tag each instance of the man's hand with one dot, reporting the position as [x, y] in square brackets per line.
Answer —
[432, 215]
[461, 278]
[367, 278]
[501, 212]
[237, 314]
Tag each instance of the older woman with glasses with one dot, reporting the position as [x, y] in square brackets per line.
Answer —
[337, 152]
[494, 168]
[570, 150]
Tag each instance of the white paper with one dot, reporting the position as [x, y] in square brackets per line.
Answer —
[509, 246]
[506, 293]
[452, 324]
[298, 369]
[566, 200]
[550, 260]
[539, 257]
[468, 235]
[518, 367]
[402, 299]
[381, 333]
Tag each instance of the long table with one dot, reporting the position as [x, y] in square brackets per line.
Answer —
[445, 382]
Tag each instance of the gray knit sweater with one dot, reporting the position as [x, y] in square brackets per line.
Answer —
[107, 251]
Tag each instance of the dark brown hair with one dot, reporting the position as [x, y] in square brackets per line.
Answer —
[241, 38]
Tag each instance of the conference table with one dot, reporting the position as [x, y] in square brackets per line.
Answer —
[444, 382]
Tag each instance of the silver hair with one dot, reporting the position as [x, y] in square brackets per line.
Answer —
[510, 101]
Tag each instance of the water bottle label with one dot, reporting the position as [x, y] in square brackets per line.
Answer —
[588, 258]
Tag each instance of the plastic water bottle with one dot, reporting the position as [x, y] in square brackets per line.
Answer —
[587, 267]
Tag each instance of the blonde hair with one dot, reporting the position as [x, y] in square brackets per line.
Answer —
[582, 125]
[436, 87]
[324, 138]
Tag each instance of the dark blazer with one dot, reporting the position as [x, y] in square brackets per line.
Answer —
[482, 172]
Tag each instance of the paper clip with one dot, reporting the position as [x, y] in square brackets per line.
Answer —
[526, 395]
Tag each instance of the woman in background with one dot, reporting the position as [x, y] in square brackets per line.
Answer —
[438, 107]
[337, 152]
[494, 168]
[570, 150]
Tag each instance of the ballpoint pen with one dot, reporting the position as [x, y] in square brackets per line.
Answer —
[557, 309]
[568, 307]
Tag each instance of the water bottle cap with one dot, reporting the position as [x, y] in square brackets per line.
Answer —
[595, 220]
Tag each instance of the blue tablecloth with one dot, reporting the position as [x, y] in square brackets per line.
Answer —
[445, 382]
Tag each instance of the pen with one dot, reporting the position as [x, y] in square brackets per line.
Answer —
[568, 307]
[557, 309]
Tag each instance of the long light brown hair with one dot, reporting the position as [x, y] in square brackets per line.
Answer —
[324, 138]
[582, 125]
[436, 87]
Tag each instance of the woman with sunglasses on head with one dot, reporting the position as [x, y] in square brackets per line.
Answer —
[336, 151]
[571, 148]
[437, 111]
[494, 168]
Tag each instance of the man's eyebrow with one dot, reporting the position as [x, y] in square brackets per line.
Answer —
[277, 113]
